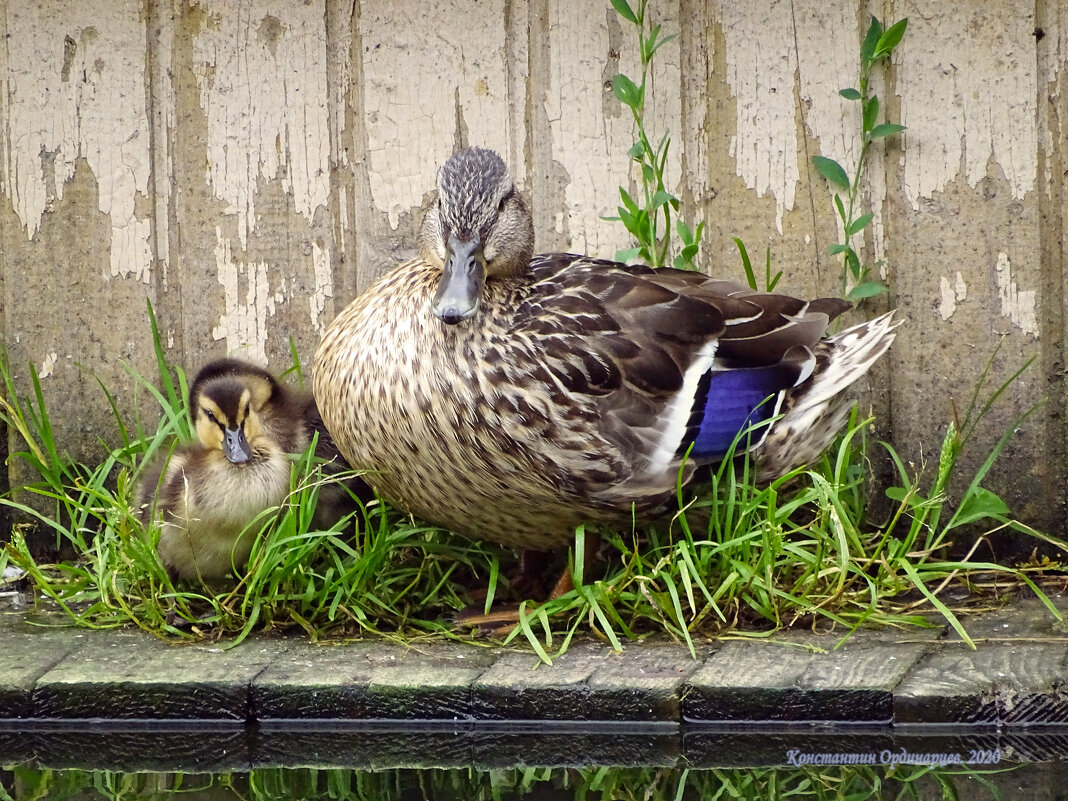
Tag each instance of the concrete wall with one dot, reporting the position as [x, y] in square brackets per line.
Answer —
[248, 167]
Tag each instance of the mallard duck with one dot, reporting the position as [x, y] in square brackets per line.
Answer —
[512, 397]
[246, 423]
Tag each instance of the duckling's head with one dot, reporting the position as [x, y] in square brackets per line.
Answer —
[226, 402]
[477, 229]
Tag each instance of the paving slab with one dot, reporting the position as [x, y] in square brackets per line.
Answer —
[520, 687]
[803, 678]
[27, 654]
[642, 683]
[371, 680]
[992, 686]
[126, 675]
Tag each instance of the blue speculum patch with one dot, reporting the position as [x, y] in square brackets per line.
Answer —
[728, 402]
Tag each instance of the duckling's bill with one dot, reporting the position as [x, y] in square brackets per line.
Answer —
[462, 279]
[236, 446]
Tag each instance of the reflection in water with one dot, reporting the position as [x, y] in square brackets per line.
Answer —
[542, 784]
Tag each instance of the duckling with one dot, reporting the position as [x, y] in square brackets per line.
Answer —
[210, 490]
[512, 397]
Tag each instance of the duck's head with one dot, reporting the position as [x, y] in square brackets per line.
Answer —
[477, 229]
[226, 402]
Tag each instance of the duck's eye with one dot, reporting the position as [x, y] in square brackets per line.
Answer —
[210, 416]
[504, 200]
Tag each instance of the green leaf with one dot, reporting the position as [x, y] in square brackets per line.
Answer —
[627, 92]
[858, 225]
[623, 8]
[684, 261]
[850, 93]
[648, 47]
[628, 201]
[628, 254]
[871, 112]
[979, 504]
[886, 129]
[841, 209]
[834, 250]
[648, 174]
[831, 170]
[661, 43]
[868, 289]
[747, 265]
[853, 261]
[684, 232]
[898, 494]
[889, 40]
[660, 198]
[914, 577]
[637, 150]
[871, 39]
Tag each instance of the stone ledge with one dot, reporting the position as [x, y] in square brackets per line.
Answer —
[1017, 678]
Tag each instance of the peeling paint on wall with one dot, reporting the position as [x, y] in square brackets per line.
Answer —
[952, 294]
[324, 287]
[432, 70]
[1016, 304]
[966, 77]
[244, 322]
[75, 89]
[1052, 63]
[261, 70]
[826, 36]
[761, 66]
[592, 146]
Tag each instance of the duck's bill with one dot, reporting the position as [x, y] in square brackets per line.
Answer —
[462, 280]
[235, 446]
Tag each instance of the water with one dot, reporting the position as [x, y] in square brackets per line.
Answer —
[594, 761]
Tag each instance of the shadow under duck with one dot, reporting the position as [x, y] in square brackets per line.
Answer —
[207, 493]
[512, 397]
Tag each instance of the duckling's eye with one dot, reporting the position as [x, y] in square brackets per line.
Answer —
[210, 416]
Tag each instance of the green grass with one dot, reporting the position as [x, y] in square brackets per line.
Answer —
[737, 558]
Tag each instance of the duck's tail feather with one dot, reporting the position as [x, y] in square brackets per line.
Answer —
[814, 412]
[790, 411]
